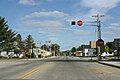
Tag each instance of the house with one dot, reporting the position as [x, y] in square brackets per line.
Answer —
[40, 53]
[11, 54]
[78, 53]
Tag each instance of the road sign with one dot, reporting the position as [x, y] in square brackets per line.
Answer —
[99, 42]
[79, 22]
[73, 23]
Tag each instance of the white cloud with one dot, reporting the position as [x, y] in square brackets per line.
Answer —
[108, 32]
[100, 7]
[53, 14]
[32, 2]
[45, 19]
[28, 2]
[100, 4]
[112, 31]
[42, 24]
[82, 32]
[97, 7]
[115, 26]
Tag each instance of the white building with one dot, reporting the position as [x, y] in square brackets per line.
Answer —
[39, 52]
[11, 54]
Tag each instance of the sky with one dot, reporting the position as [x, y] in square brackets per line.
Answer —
[50, 20]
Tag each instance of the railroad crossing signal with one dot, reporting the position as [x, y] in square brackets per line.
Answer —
[99, 42]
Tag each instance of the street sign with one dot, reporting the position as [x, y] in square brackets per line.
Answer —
[99, 42]
[79, 22]
[73, 23]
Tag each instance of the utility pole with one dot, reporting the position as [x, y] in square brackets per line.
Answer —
[99, 42]
[98, 25]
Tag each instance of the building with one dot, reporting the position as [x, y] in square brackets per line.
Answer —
[92, 44]
[117, 43]
[85, 49]
[78, 53]
[85, 46]
[40, 53]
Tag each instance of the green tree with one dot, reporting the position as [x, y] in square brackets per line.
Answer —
[30, 42]
[111, 46]
[18, 38]
[44, 47]
[7, 36]
[20, 42]
[79, 48]
[106, 48]
[73, 50]
[55, 48]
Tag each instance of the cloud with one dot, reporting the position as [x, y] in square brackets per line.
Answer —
[32, 2]
[82, 32]
[45, 19]
[100, 4]
[108, 32]
[100, 7]
[115, 26]
[112, 31]
[96, 7]
[28, 2]
[42, 24]
[50, 14]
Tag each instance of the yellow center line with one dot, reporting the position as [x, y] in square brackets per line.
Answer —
[40, 68]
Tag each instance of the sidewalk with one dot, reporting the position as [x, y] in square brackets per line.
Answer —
[111, 63]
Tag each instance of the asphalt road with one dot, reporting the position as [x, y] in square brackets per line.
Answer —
[65, 69]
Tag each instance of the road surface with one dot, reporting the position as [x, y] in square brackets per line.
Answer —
[65, 69]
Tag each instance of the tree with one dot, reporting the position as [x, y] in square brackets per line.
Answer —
[66, 53]
[82, 47]
[7, 36]
[18, 38]
[20, 43]
[55, 48]
[106, 48]
[44, 47]
[79, 48]
[30, 42]
[111, 46]
[73, 50]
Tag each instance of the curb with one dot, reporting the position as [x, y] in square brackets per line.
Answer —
[109, 65]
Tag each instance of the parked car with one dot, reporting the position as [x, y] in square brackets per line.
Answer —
[105, 54]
